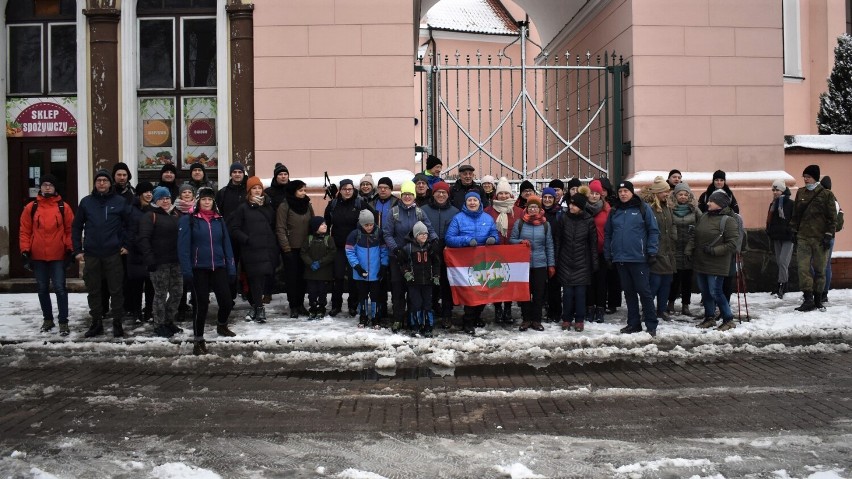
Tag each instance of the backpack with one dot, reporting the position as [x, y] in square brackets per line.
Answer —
[521, 227]
[838, 224]
[418, 213]
[359, 205]
[741, 230]
[61, 205]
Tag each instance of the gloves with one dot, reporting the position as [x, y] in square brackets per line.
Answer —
[472, 242]
[25, 256]
[383, 272]
[315, 266]
[826, 241]
[361, 271]
[490, 240]
[708, 250]
[652, 258]
[525, 242]
[409, 276]
[152, 268]
[551, 271]
[436, 280]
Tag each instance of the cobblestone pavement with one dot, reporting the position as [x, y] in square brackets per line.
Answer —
[637, 403]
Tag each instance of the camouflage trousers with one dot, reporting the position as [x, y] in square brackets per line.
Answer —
[809, 252]
[168, 289]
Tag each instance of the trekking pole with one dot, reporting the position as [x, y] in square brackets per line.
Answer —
[741, 274]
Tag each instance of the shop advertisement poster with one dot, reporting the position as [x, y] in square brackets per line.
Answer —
[156, 133]
[199, 134]
[41, 117]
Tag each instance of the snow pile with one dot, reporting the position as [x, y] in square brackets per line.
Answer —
[834, 143]
[179, 470]
[397, 176]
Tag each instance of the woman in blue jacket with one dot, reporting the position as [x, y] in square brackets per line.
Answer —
[368, 258]
[532, 230]
[471, 227]
[207, 262]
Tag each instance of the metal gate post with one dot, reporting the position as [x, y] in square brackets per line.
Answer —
[523, 25]
[618, 72]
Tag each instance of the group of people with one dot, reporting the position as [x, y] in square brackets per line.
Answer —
[590, 245]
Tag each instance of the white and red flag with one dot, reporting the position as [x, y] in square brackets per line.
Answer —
[488, 274]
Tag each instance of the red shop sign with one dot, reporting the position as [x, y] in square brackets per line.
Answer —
[44, 119]
[201, 132]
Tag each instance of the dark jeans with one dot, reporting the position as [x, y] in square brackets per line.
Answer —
[574, 303]
[681, 286]
[133, 295]
[444, 294]
[554, 298]
[635, 279]
[613, 288]
[45, 273]
[368, 291]
[295, 268]
[660, 286]
[597, 291]
[343, 280]
[98, 270]
[398, 290]
[531, 310]
[712, 295]
[257, 285]
[204, 280]
[420, 297]
[317, 293]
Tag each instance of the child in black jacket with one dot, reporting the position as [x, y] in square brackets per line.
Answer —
[421, 269]
[318, 255]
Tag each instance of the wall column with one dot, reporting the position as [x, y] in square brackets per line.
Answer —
[241, 31]
[103, 58]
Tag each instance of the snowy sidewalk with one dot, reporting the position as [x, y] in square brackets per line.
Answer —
[336, 343]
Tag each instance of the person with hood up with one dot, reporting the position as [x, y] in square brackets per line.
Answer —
[368, 258]
[778, 229]
[464, 185]
[158, 237]
[277, 189]
[719, 183]
[292, 227]
[440, 212]
[532, 229]
[367, 188]
[207, 263]
[577, 263]
[45, 244]
[198, 179]
[168, 179]
[662, 270]
[121, 177]
[598, 209]
[420, 265]
[471, 227]
[252, 226]
[318, 257]
[100, 236]
[713, 248]
[685, 216]
[553, 212]
[505, 213]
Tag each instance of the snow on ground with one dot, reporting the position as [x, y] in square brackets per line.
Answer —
[337, 344]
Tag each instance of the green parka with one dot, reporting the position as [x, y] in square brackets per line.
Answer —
[723, 245]
[814, 213]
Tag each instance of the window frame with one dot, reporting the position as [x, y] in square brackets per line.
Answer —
[50, 26]
[792, 39]
[139, 87]
[9, 28]
[180, 61]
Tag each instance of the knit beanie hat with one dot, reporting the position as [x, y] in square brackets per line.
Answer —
[103, 173]
[596, 186]
[659, 185]
[365, 217]
[441, 186]
[526, 185]
[295, 185]
[279, 168]
[237, 166]
[719, 174]
[606, 185]
[368, 178]
[682, 186]
[344, 182]
[161, 192]
[48, 178]
[503, 185]
[122, 166]
[314, 223]
[574, 183]
[144, 187]
[720, 198]
[779, 185]
[548, 191]
[421, 177]
[488, 179]
[419, 228]
[626, 184]
[673, 172]
[386, 181]
[186, 187]
[579, 200]
[196, 166]
[557, 183]
[812, 171]
[206, 192]
[433, 161]
[168, 167]
[473, 194]
[252, 181]
[407, 187]
[533, 200]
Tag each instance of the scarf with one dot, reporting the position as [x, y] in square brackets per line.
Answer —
[207, 215]
[504, 209]
[298, 205]
[811, 186]
[535, 220]
[681, 210]
[184, 206]
[594, 208]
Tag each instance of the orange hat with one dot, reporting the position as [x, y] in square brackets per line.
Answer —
[534, 200]
[253, 180]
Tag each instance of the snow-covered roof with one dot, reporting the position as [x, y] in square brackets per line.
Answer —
[474, 16]
[833, 143]
[396, 176]
[703, 178]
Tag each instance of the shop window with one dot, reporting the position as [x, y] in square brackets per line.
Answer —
[42, 48]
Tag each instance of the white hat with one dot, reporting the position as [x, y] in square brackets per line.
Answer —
[503, 185]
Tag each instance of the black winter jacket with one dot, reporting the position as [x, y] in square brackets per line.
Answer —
[343, 218]
[136, 268]
[578, 255]
[229, 198]
[458, 192]
[251, 227]
[158, 234]
[277, 193]
[778, 228]
[421, 260]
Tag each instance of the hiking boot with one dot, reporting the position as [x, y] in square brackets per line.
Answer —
[353, 312]
[117, 329]
[301, 310]
[334, 312]
[163, 331]
[818, 303]
[653, 333]
[824, 297]
[96, 329]
[599, 314]
[267, 298]
[507, 315]
[222, 330]
[807, 303]
[396, 326]
[664, 316]
[295, 313]
[782, 289]
[611, 309]
[630, 330]
[469, 328]
[480, 323]
[537, 326]
[498, 313]
[174, 327]
[64, 330]
[427, 332]
[726, 325]
[252, 312]
[707, 323]
[446, 322]
[47, 325]
[566, 325]
[260, 316]
[671, 308]
[199, 348]
[578, 326]
[684, 310]
[525, 325]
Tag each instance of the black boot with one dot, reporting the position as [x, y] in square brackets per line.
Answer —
[117, 329]
[260, 316]
[808, 303]
[507, 314]
[818, 303]
[222, 330]
[199, 348]
[823, 297]
[498, 312]
[96, 329]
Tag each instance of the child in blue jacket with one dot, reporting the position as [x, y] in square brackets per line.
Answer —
[368, 257]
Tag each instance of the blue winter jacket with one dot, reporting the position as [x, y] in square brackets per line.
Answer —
[541, 242]
[369, 251]
[468, 225]
[105, 220]
[627, 238]
[395, 232]
[203, 245]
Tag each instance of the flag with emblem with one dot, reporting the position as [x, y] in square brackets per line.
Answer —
[488, 274]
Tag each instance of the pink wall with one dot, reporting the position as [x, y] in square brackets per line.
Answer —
[333, 85]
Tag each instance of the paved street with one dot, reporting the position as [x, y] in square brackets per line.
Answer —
[635, 403]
